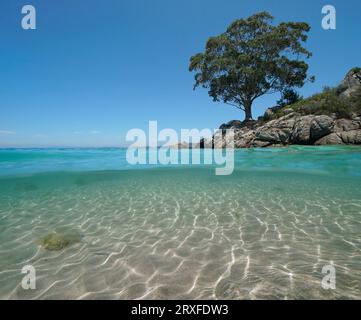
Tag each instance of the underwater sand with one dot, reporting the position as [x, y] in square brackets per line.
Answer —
[265, 232]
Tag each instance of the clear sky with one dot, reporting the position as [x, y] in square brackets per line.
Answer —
[94, 69]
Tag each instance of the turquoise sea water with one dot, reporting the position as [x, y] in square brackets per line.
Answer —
[264, 232]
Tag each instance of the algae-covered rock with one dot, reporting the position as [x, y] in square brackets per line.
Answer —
[54, 241]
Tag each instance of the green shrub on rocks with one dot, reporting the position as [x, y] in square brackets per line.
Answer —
[329, 102]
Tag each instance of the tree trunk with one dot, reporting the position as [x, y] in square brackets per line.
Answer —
[248, 110]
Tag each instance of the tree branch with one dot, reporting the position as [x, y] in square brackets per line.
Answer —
[235, 105]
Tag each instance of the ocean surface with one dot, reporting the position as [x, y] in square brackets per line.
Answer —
[180, 231]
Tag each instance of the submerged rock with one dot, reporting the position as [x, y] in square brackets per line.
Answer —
[54, 241]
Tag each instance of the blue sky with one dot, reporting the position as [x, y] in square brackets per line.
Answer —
[94, 69]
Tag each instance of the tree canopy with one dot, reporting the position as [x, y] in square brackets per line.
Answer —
[252, 58]
[288, 96]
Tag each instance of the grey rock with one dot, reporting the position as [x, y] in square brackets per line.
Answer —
[302, 130]
[237, 124]
[294, 128]
[347, 125]
[218, 140]
[233, 124]
[332, 138]
[243, 138]
[260, 144]
[351, 84]
[207, 143]
[287, 110]
[268, 113]
[321, 126]
[276, 131]
[181, 145]
[204, 143]
[273, 135]
[351, 137]
[222, 139]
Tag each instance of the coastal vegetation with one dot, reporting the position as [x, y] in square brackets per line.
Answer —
[328, 102]
[253, 58]
[328, 118]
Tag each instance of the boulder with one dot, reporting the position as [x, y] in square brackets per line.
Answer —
[307, 127]
[182, 145]
[276, 131]
[233, 124]
[273, 135]
[351, 137]
[332, 138]
[244, 133]
[321, 126]
[260, 144]
[347, 125]
[223, 140]
[268, 113]
[301, 133]
[203, 144]
[243, 138]
[351, 84]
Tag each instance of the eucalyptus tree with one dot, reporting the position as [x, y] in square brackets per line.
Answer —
[252, 58]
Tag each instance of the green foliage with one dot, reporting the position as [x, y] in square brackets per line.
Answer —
[289, 96]
[252, 58]
[356, 70]
[329, 102]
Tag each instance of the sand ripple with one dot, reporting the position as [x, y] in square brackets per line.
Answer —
[182, 234]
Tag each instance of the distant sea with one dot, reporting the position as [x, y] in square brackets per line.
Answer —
[180, 231]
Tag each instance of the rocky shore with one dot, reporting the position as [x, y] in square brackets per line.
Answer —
[311, 122]
[294, 129]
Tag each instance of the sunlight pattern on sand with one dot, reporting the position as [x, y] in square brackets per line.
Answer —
[181, 233]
